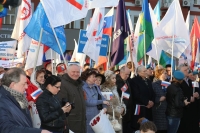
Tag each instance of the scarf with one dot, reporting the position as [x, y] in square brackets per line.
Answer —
[20, 98]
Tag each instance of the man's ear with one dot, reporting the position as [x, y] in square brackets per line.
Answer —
[12, 85]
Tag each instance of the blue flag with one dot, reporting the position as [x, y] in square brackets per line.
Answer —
[120, 33]
[39, 20]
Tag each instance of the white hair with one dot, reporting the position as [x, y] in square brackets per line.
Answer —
[139, 68]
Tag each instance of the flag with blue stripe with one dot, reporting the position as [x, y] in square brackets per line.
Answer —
[39, 20]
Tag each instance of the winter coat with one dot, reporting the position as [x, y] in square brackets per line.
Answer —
[13, 118]
[91, 102]
[51, 115]
[159, 108]
[190, 120]
[73, 91]
[142, 94]
[128, 102]
[175, 100]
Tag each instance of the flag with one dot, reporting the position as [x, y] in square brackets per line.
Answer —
[165, 84]
[172, 26]
[3, 11]
[102, 3]
[188, 21]
[80, 57]
[31, 57]
[36, 94]
[164, 59]
[39, 20]
[94, 35]
[137, 109]
[194, 36]
[23, 18]
[125, 95]
[120, 33]
[62, 12]
[157, 11]
[146, 32]
[108, 22]
[130, 43]
[124, 88]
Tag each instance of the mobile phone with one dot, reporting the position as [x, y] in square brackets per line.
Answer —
[68, 105]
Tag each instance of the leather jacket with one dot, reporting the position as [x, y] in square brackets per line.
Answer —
[175, 100]
[50, 112]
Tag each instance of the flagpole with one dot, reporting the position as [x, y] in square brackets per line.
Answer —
[109, 49]
[59, 45]
[145, 59]
[132, 74]
[38, 49]
[157, 52]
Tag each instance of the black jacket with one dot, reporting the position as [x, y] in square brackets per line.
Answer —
[50, 112]
[175, 100]
[128, 102]
[13, 118]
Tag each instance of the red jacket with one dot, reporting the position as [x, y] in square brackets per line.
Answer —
[31, 88]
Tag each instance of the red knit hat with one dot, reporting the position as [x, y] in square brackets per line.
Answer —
[61, 68]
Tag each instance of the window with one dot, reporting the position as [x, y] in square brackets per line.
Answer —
[11, 16]
[82, 24]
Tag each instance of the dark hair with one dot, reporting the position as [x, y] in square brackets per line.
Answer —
[12, 75]
[87, 64]
[39, 72]
[87, 73]
[168, 65]
[146, 126]
[52, 80]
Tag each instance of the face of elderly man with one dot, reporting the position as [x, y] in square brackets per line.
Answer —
[74, 71]
[124, 73]
[142, 72]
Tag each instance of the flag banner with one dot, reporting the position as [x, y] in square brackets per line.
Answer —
[80, 57]
[62, 12]
[31, 57]
[125, 95]
[10, 63]
[108, 22]
[121, 31]
[39, 20]
[165, 84]
[146, 32]
[36, 94]
[7, 49]
[157, 11]
[35, 116]
[107, 95]
[195, 84]
[102, 3]
[23, 18]
[137, 109]
[124, 88]
[172, 26]
[194, 37]
[83, 39]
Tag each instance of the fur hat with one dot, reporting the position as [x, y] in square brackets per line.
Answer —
[108, 74]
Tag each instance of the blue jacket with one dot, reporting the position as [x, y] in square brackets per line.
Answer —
[91, 103]
[13, 119]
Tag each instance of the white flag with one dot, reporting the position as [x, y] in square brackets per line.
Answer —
[30, 61]
[61, 12]
[80, 57]
[102, 3]
[173, 25]
[23, 17]
[94, 34]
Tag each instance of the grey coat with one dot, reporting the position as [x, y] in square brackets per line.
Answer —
[72, 90]
[91, 102]
[159, 108]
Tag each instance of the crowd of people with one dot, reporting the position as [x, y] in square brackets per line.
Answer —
[152, 101]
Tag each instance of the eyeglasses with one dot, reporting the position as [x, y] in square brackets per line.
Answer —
[58, 87]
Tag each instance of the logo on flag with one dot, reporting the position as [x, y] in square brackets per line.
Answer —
[124, 88]
[165, 83]
[111, 96]
[36, 94]
[137, 109]
[77, 3]
[25, 10]
[126, 95]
